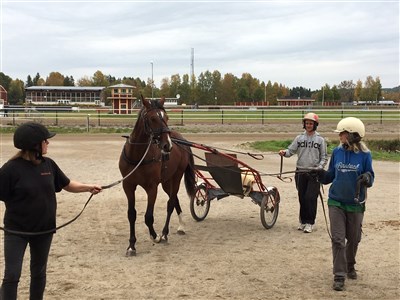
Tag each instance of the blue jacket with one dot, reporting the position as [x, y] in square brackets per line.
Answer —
[344, 168]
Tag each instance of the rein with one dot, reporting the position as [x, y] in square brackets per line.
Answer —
[104, 187]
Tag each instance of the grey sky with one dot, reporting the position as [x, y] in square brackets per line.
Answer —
[295, 43]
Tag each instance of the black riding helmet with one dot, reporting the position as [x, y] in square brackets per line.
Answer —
[30, 134]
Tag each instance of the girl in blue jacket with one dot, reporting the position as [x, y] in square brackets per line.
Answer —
[350, 172]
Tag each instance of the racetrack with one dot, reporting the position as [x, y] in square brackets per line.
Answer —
[229, 255]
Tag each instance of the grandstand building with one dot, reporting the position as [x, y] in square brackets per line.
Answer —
[65, 95]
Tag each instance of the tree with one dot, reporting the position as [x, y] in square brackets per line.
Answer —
[29, 81]
[84, 81]
[37, 80]
[300, 92]
[346, 91]
[372, 89]
[205, 88]
[175, 84]
[270, 93]
[55, 79]
[99, 79]
[216, 87]
[243, 94]
[185, 90]
[69, 81]
[250, 84]
[358, 90]
[5, 81]
[165, 87]
[16, 93]
[228, 93]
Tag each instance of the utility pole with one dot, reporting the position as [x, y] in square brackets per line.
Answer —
[152, 81]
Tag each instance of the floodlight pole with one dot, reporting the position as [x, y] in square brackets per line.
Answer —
[152, 81]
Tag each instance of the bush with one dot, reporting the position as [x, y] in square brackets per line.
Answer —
[384, 145]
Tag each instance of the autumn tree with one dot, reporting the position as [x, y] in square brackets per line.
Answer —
[165, 87]
[228, 92]
[55, 79]
[99, 79]
[358, 90]
[372, 89]
[84, 81]
[16, 92]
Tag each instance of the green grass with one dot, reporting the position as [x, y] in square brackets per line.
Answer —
[388, 150]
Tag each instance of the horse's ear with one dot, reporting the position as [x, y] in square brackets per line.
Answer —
[145, 102]
[162, 101]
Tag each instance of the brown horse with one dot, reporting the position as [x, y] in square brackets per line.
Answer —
[150, 151]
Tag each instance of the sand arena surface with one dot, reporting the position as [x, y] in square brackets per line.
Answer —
[229, 255]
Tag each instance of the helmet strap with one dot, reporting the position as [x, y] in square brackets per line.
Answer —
[38, 152]
[314, 128]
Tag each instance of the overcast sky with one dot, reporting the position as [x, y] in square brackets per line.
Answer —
[295, 43]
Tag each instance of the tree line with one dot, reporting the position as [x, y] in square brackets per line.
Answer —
[211, 88]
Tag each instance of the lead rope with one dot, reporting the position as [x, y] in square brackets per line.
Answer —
[323, 208]
[87, 202]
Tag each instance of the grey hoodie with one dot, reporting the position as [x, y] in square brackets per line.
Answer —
[310, 149]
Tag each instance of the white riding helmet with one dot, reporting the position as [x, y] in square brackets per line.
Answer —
[351, 125]
[312, 117]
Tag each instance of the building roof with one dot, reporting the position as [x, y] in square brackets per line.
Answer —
[121, 85]
[64, 88]
[295, 99]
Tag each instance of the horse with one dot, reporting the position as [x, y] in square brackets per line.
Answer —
[149, 149]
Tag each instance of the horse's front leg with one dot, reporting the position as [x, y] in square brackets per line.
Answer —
[131, 251]
[170, 209]
[149, 216]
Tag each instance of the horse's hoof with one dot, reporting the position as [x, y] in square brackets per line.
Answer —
[157, 239]
[164, 239]
[130, 252]
[181, 232]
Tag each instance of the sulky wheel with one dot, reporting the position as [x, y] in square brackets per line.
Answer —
[199, 204]
[269, 208]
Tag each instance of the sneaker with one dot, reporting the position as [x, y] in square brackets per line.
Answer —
[301, 227]
[338, 285]
[308, 228]
[352, 274]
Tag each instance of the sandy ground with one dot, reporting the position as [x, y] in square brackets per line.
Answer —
[229, 255]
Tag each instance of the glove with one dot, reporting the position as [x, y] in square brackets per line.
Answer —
[365, 179]
[319, 174]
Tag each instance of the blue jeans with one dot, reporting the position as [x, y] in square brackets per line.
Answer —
[14, 250]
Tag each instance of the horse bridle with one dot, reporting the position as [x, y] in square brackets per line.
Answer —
[155, 133]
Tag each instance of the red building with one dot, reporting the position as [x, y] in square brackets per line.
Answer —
[122, 99]
[3, 96]
[295, 102]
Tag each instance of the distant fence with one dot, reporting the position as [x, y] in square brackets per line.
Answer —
[99, 118]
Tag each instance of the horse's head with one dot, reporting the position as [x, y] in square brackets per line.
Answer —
[155, 121]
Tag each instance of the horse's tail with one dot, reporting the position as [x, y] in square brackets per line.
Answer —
[190, 178]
